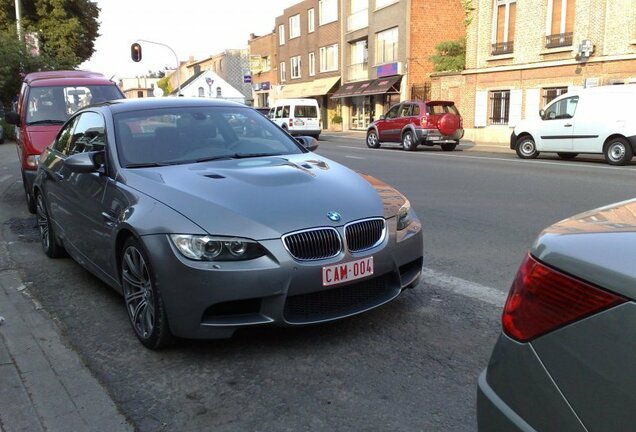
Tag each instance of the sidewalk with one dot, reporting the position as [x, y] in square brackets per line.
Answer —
[465, 145]
[44, 386]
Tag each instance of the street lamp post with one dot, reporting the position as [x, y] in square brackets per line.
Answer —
[175, 56]
[18, 18]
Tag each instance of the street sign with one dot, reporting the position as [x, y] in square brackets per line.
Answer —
[247, 78]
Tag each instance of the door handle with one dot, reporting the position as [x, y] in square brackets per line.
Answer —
[567, 125]
[109, 218]
[58, 176]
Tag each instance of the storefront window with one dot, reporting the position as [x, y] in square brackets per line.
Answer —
[362, 112]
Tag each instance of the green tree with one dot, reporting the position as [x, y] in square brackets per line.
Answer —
[164, 84]
[66, 31]
[450, 56]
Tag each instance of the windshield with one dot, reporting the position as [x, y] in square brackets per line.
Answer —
[54, 105]
[181, 135]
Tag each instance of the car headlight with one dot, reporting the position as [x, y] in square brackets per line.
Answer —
[405, 216]
[208, 248]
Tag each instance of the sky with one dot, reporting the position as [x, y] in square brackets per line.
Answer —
[198, 28]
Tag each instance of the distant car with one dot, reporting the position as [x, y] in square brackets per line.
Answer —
[297, 116]
[206, 226]
[412, 123]
[597, 120]
[564, 359]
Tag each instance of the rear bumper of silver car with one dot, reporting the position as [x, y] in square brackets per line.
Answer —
[214, 299]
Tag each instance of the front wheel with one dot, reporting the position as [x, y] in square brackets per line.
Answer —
[408, 141]
[618, 151]
[28, 196]
[144, 304]
[372, 139]
[526, 148]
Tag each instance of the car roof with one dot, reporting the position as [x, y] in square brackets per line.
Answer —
[127, 105]
[33, 77]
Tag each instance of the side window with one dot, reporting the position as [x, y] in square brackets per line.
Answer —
[415, 111]
[563, 109]
[286, 111]
[89, 134]
[404, 110]
[393, 112]
[64, 137]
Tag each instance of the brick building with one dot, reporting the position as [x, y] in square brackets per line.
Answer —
[521, 54]
[262, 60]
[307, 38]
[386, 50]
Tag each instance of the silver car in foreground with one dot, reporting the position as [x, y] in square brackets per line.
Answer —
[208, 217]
[565, 360]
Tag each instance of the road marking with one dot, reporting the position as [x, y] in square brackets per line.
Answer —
[464, 287]
[5, 178]
[353, 157]
[565, 164]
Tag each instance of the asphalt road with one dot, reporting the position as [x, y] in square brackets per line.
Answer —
[409, 366]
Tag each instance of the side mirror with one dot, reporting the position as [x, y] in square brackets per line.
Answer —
[382, 117]
[541, 113]
[12, 118]
[310, 143]
[83, 162]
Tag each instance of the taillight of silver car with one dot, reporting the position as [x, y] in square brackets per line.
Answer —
[543, 299]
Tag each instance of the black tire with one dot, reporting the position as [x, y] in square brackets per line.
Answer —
[28, 196]
[373, 141]
[317, 136]
[567, 155]
[526, 148]
[140, 290]
[408, 141]
[449, 146]
[49, 241]
[617, 151]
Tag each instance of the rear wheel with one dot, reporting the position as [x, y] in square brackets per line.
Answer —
[449, 146]
[144, 303]
[408, 141]
[567, 155]
[372, 139]
[50, 244]
[526, 148]
[618, 151]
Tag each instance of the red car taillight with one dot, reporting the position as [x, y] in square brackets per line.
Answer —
[542, 299]
[291, 122]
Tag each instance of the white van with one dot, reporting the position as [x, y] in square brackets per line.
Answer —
[598, 120]
[297, 116]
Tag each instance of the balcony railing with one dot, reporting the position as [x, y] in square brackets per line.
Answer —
[559, 40]
[358, 71]
[358, 20]
[502, 48]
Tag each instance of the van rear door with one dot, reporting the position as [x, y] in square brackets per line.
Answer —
[306, 117]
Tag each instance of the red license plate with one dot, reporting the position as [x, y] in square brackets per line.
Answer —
[345, 272]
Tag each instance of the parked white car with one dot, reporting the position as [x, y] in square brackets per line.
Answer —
[598, 120]
[297, 116]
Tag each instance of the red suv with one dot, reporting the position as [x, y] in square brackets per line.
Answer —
[47, 100]
[416, 122]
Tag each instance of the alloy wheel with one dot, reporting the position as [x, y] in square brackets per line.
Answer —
[43, 223]
[138, 292]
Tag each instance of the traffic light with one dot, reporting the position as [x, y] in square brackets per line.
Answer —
[135, 52]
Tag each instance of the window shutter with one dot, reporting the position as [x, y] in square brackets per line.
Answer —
[511, 22]
[501, 22]
[514, 117]
[533, 103]
[556, 17]
[481, 108]
[569, 16]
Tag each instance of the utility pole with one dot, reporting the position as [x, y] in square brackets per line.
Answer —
[18, 18]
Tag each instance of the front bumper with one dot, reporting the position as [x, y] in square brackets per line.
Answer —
[214, 299]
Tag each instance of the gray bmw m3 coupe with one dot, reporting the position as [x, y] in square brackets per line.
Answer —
[565, 359]
[207, 217]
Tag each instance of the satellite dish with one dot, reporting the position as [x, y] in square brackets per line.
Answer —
[157, 92]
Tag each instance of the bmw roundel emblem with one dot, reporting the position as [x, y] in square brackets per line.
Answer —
[333, 216]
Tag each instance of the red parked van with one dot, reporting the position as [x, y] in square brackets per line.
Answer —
[46, 101]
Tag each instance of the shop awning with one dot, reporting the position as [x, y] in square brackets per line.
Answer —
[383, 85]
[317, 87]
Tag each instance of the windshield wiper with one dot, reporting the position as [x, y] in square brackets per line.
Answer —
[212, 158]
[148, 164]
[39, 122]
[252, 155]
